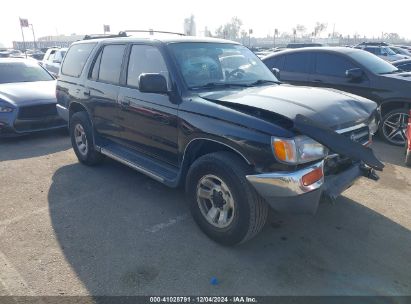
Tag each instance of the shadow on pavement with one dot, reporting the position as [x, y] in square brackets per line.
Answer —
[388, 153]
[33, 145]
[125, 234]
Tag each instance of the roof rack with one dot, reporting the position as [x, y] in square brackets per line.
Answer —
[151, 32]
[371, 43]
[99, 36]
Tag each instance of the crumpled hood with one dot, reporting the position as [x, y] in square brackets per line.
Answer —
[24, 93]
[333, 108]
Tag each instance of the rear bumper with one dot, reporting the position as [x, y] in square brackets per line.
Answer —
[285, 192]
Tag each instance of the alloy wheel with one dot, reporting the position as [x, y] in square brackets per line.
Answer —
[215, 201]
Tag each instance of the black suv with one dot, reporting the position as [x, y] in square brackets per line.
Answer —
[354, 71]
[209, 115]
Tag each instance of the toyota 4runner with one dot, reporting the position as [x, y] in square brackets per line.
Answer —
[209, 115]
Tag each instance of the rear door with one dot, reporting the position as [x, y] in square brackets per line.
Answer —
[102, 88]
[330, 72]
[148, 120]
[296, 67]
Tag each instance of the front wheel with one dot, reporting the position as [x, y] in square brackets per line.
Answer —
[222, 202]
[393, 126]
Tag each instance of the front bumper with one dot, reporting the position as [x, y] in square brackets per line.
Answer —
[285, 192]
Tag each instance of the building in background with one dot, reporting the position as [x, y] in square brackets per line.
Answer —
[190, 26]
[48, 41]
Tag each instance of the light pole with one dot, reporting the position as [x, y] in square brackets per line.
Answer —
[34, 37]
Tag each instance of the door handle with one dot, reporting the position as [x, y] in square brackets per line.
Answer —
[86, 92]
[318, 80]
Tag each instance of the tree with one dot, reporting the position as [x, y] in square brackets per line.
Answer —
[301, 29]
[392, 36]
[190, 26]
[230, 30]
[319, 28]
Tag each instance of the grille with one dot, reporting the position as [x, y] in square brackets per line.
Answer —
[37, 111]
[360, 135]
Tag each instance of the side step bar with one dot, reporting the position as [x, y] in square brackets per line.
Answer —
[130, 164]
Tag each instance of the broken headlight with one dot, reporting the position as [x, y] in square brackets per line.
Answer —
[298, 150]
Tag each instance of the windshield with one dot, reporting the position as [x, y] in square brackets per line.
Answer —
[373, 63]
[388, 51]
[203, 64]
[22, 72]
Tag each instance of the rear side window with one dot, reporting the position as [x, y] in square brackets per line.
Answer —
[372, 50]
[76, 58]
[332, 65]
[110, 65]
[145, 59]
[297, 62]
[275, 62]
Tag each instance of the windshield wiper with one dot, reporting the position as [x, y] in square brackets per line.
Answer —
[219, 84]
[263, 81]
[393, 72]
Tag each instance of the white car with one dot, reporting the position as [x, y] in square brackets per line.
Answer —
[52, 60]
[384, 52]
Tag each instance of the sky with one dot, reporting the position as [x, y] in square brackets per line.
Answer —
[349, 17]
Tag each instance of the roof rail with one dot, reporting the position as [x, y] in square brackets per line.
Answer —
[98, 36]
[151, 32]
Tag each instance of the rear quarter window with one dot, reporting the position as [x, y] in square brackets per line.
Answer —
[76, 58]
[275, 62]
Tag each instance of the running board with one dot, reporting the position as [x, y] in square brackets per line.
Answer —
[163, 174]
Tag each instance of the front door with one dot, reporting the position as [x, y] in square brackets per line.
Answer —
[149, 121]
[330, 72]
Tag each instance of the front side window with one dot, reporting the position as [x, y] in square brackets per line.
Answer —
[76, 58]
[110, 65]
[22, 72]
[332, 65]
[145, 59]
[373, 63]
[202, 64]
[296, 63]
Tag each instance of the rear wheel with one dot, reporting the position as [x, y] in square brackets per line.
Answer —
[82, 139]
[393, 126]
[222, 202]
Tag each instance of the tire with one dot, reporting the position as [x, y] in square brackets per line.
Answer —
[390, 123]
[249, 211]
[408, 158]
[88, 155]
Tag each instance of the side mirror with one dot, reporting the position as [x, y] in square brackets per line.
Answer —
[276, 73]
[385, 54]
[354, 74]
[152, 83]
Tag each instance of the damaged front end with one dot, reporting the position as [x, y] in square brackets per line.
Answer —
[300, 191]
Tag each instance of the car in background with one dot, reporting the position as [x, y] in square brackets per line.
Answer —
[354, 71]
[383, 52]
[408, 144]
[400, 51]
[52, 59]
[302, 45]
[404, 64]
[27, 98]
[262, 54]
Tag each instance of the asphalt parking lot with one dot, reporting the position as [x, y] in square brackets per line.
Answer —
[68, 229]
